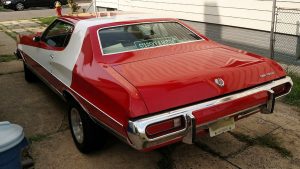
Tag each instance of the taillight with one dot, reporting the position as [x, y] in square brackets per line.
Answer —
[281, 89]
[165, 127]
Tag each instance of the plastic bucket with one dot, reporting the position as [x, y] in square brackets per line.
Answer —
[12, 141]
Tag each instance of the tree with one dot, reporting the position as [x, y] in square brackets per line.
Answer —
[73, 5]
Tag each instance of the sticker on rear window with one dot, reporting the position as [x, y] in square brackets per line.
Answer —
[155, 42]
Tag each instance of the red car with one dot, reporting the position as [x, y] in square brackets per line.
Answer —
[152, 81]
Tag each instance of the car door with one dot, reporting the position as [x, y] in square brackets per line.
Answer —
[53, 42]
[30, 3]
[43, 2]
[37, 3]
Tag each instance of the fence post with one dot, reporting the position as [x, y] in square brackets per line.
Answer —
[298, 41]
[272, 37]
[95, 7]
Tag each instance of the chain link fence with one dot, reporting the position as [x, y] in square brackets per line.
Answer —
[287, 38]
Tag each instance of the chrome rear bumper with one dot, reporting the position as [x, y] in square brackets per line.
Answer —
[137, 129]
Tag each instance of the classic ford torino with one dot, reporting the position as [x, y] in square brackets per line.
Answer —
[151, 81]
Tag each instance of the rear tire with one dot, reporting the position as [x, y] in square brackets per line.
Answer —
[28, 74]
[86, 135]
[19, 6]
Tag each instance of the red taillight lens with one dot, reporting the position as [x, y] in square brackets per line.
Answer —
[165, 127]
[281, 89]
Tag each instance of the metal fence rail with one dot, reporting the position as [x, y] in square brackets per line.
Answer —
[287, 38]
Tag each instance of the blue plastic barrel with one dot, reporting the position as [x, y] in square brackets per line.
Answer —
[12, 141]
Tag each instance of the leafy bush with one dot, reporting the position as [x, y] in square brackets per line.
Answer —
[73, 5]
[294, 97]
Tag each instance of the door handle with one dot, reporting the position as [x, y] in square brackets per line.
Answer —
[51, 56]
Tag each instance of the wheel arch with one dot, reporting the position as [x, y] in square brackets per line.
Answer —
[70, 97]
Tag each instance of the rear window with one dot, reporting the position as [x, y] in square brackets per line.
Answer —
[142, 36]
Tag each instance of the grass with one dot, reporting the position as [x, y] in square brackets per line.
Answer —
[7, 58]
[46, 20]
[266, 141]
[294, 97]
[271, 142]
[11, 34]
[8, 32]
[2, 9]
[206, 148]
[38, 138]
[243, 138]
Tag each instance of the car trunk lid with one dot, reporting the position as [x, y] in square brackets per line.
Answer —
[171, 81]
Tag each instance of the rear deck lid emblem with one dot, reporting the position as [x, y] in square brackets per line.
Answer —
[220, 82]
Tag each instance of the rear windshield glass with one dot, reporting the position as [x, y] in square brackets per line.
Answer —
[140, 36]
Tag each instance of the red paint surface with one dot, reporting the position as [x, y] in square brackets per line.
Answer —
[188, 77]
[28, 40]
[138, 83]
[216, 112]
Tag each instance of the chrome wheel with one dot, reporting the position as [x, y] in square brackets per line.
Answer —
[20, 6]
[76, 123]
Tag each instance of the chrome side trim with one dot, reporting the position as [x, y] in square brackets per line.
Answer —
[137, 128]
[97, 108]
[45, 81]
[117, 134]
[121, 137]
[73, 91]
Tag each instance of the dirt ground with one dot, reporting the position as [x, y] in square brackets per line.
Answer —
[260, 141]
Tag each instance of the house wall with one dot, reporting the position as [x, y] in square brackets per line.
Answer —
[243, 24]
[253, 14]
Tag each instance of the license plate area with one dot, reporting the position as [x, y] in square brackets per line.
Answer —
[221, 126]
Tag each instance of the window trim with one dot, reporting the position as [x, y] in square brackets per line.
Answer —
[51, 26]
[104, 54]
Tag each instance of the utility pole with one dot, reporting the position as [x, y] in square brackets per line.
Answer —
[298, 41]
[272, 34]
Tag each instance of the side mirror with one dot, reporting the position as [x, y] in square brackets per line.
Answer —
[36, 38]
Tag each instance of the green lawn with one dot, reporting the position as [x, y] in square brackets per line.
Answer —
[294, 97]
[7, 58]
[3, 9]
[47, 20]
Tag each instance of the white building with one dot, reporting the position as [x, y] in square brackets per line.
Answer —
[240, 23]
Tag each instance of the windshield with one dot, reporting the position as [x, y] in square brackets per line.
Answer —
[146, 35]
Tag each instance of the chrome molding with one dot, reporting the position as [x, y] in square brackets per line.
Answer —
[137, 128]
[121, 137]
[70, 89]
[45, 81]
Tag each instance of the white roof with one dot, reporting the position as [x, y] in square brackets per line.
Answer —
[120, 17]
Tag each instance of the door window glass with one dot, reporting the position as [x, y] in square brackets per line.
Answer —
[58, 34]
